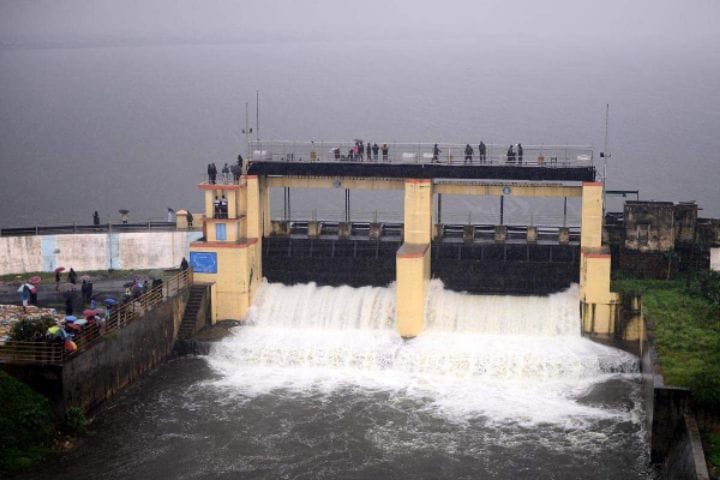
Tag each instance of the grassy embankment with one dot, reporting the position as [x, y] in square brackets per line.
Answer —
[686, 315]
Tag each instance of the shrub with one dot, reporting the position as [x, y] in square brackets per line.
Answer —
[26, 425]
[26, 329]
[75, 422]
[705, 385]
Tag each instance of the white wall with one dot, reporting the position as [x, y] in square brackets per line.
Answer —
[95, 251]
[715, 259]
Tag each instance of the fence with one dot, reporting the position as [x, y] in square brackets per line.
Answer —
[550, 156]
[53, 353]
[75, 228]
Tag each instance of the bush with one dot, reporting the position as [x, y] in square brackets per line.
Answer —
[709, 283]
[705, 385]
[26, 425]
[26, 329]
[75, 421]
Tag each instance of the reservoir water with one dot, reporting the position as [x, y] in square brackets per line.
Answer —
[319, 385]
[132, 126]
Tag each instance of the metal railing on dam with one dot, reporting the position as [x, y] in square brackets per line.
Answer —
[83, 228]
[52, 352]
[550, 156]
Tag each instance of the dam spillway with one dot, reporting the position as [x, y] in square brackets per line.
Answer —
[493, 384]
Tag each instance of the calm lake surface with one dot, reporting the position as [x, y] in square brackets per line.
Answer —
[105, 128]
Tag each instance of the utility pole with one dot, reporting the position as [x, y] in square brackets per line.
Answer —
[605, 154]
[247, 131]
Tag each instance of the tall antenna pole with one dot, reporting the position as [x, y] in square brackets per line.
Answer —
[257, 115]
[606, 154]
[605, 150]
[247, 132]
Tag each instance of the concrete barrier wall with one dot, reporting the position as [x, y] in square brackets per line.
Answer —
[122, 357]
[95, 251]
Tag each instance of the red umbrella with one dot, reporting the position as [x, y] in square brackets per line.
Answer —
[59, 269]
[35, 280]
[72, 326]
[88, 313]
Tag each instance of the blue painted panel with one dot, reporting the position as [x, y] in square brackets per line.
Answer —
[220, 231]
[203, 262]
[48, 245]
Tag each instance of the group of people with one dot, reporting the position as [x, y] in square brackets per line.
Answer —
[228, 171]
[361, 152]
[220, 207]
[514, 153]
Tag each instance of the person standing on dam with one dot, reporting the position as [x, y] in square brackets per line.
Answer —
[468, 153]
[236, 172]
[385, 150]
[375, 150]
[511, 155]
[482, 151]
[519, 153]
[96, 218]
[436, 153]
[226, 174]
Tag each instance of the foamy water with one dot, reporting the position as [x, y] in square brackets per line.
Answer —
[518, 359]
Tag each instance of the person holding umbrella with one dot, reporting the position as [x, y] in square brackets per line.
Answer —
[35, 282]
[58, 270]
[24, 291]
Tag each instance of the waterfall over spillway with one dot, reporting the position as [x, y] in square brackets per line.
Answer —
[508, 355]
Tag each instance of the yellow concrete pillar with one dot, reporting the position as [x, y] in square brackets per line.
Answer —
[232, 196]
[417, 209]
[413, 275]
[253, 211]
[209, 205]
[413, 258]
[265, 207]
[600, 306]
[181, 220]
[591, 219]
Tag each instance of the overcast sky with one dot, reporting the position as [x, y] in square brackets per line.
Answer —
[31, 21]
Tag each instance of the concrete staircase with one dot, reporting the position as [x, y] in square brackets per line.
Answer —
[188, 326]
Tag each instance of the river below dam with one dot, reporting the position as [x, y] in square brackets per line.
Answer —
[319, 385]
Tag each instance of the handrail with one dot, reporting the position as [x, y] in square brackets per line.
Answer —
[53, 353]
[423, 153]
[82, 228]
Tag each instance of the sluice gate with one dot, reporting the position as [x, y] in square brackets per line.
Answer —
[532, 269]
[242, 244]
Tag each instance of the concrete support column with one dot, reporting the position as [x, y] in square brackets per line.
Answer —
[417, 208]
[599, 306]
[413, 275]
[265, 208]
[413, 258]
[253, 213]
[591, 219]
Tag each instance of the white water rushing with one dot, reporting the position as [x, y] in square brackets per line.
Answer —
[503, 357]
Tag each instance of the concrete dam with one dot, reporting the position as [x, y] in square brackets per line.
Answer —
[242, 244]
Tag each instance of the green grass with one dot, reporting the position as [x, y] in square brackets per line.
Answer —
[687, 330]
